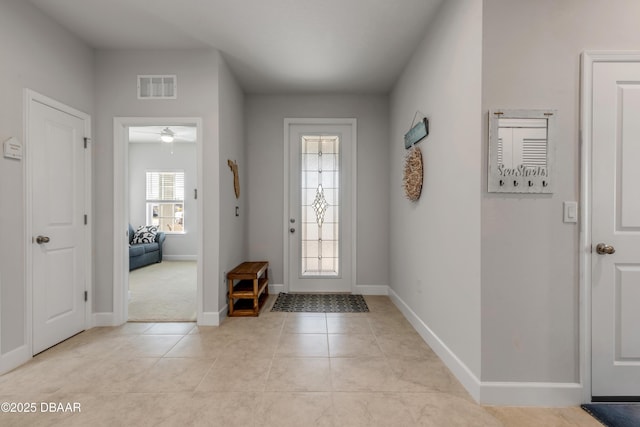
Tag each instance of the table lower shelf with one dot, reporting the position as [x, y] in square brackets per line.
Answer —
[244, 288]
[244, 306]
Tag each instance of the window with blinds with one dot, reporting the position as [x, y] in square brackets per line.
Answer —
[165, 201]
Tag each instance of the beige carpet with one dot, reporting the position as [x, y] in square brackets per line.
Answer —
[163, 292]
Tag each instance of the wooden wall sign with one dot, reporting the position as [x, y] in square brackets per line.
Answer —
[416, 133]
[236, 181]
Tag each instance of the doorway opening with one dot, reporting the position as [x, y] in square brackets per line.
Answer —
[158, 219]
[163, 223]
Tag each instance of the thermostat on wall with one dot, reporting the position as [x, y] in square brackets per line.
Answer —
[13, 149]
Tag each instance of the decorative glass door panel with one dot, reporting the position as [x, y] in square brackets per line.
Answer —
[320, 207]
[320, 232]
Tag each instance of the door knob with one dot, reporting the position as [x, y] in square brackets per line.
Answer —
[42, 239]
[604, 249]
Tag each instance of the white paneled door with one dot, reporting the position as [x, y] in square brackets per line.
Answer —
[58, 246]
[615, 258]
[319, 223]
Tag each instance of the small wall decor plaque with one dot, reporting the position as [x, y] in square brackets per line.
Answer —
[236, 180]
[13, 148]
[416, 133]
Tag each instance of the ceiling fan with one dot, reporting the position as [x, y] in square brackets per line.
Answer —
[166, 134]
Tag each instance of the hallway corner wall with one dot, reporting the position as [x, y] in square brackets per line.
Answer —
[435, 241]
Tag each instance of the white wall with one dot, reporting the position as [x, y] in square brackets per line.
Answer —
[115, 90]
[265, 116]
[144, 157]
[435, 241]
[36, 54]
[233, 240]
[530, 278]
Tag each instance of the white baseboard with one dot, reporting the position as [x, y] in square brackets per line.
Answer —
[455, 365]
[531, 394]
[14, 358]
[488, 392]
[209, 318]
[275, 289]
[104, 319]
[179, 257]
[372, 290]
[213, 318]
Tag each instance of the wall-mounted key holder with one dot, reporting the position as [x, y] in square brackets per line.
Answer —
[521, 151]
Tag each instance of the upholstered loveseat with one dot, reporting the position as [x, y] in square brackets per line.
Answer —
[141, 254]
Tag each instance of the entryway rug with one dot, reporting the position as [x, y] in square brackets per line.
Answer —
[615, 414]
[320, 303]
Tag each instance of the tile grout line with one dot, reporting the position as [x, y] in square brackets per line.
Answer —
[334, 417]
[273, 355]
[261, 402]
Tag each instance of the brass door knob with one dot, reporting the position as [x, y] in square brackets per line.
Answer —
[604, 249]
[42, 239]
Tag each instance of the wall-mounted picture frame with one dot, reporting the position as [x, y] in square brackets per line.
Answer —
[521, 151]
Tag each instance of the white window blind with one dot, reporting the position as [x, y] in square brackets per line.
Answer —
[165, 186]
[165, 201]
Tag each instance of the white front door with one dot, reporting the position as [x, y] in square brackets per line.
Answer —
[56, 144]
[615, 227]
[321, 187]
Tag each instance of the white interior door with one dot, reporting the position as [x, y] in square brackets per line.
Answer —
[320, 233]
[616, 226]
[56, 144]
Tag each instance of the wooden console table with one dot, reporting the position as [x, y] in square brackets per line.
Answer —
[248, 288]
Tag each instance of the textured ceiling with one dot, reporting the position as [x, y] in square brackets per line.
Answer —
[273, 46]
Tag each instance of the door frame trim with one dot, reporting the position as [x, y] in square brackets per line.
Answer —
[353, 122]
[589, 58]
[121, 208]
[31, 97]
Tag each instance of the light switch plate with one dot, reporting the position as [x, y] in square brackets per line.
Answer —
[570, 212]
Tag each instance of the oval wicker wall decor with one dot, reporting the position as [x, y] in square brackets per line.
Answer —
[413, 172]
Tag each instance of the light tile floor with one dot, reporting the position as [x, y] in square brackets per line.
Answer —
[280, 369]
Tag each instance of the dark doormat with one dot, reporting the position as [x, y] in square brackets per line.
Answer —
[615, 414]
[320, 303]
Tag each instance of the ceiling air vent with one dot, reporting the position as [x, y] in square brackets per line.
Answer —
[157, 87]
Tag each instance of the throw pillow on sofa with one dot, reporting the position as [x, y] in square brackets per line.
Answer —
[145, 234]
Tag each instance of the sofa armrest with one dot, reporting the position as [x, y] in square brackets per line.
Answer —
[160, 236]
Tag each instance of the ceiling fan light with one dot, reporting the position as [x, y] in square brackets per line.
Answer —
[167, 135]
